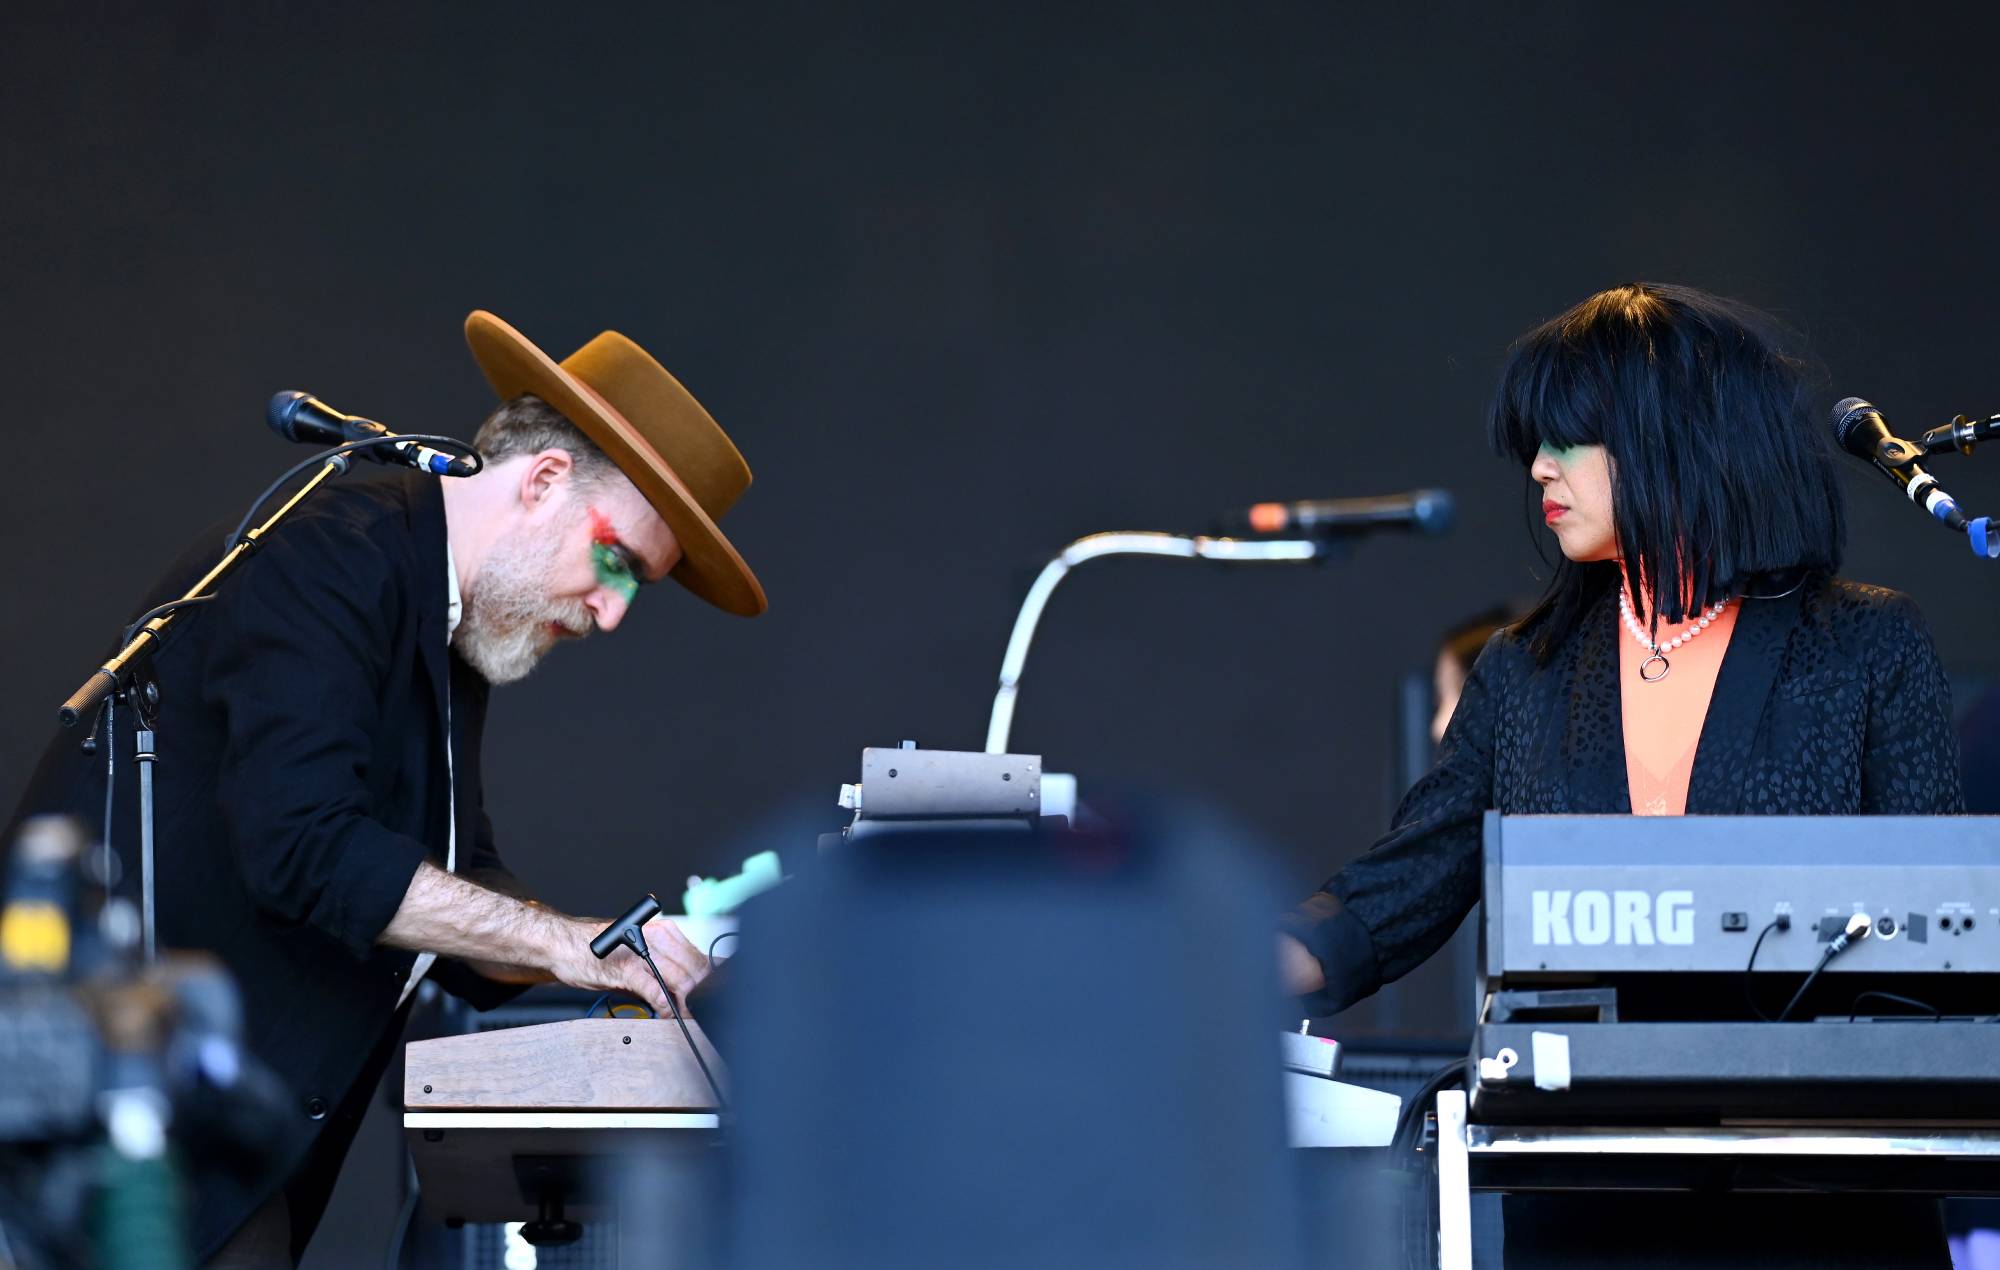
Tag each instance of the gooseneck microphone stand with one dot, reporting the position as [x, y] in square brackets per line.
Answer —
[1097, 546]
[123, 676]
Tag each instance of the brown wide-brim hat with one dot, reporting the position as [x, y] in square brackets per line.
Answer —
[653, 429]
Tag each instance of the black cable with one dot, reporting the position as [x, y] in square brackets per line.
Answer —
[158, 609]
[1413, 1110]
[713, 942]
[1854, 1008]
[721, 1103]
[611, 1011]
[450, 445]
[108, 712]
[1831, 951]
[1782, 921]
[1418, 1230]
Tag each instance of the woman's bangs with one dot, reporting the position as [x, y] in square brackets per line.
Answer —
[1544, 401]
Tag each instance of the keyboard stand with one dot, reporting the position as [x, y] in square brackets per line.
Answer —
[1936, 1159]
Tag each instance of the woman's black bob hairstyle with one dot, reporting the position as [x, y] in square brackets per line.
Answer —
[1722, 480]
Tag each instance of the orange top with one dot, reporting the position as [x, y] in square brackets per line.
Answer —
[1663, 720]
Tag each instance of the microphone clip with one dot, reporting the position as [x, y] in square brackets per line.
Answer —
[1960, 435]
[1893, 454]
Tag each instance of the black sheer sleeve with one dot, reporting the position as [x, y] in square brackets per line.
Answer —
[1909, 759]
[1396, 904]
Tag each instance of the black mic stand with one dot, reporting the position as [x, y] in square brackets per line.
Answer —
[1959, 436]
[123, 675]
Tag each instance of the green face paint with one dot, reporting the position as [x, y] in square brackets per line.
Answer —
[612, 572]
[614, 568]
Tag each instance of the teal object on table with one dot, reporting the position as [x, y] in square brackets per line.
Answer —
[712, 897]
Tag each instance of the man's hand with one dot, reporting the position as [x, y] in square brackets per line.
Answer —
[520, 941]
[680, 963]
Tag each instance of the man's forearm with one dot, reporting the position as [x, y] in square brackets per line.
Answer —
[502, 937]
[519, 941]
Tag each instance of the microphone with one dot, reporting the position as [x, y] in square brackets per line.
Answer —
[629, 931]
[1860, 428]
[1425, 511]
[298, 416]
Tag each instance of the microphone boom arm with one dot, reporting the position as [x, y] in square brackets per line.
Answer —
[1095, 547]
[115, 674]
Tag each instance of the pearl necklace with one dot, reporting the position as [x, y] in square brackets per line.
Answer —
[1658, 652]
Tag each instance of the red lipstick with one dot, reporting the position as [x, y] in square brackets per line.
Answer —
[1552, 511]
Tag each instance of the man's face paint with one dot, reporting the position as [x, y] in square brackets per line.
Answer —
[616, 571]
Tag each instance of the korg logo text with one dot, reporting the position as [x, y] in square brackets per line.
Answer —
[1613, 917]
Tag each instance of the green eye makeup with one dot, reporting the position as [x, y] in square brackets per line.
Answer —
[613, 574]
[613, 561]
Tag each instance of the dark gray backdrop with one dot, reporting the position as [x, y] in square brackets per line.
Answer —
[964, 283]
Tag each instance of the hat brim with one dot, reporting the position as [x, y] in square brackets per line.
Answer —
[710, 565]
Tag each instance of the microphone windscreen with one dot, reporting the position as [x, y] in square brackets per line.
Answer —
[1849, 414]
[1269, 518]
[283, 413]
[1433, 511]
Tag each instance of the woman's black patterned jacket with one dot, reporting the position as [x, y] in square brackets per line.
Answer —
[1830, 701]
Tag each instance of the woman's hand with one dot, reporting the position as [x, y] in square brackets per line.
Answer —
[1298, 969]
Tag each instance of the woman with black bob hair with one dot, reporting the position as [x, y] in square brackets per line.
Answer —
[1694, 653]
[1721, 473]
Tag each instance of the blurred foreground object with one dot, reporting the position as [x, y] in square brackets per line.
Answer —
[121, 1077]
[1050, 1048]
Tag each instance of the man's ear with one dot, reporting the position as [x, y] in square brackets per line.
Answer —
[543, 475]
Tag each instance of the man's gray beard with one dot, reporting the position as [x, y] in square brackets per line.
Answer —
[503, 627]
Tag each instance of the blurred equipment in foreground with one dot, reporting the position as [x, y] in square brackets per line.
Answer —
[122, 1077]
[1049, 1048]
[1075, 986]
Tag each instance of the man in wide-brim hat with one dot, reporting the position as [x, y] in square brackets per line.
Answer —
[320, 825]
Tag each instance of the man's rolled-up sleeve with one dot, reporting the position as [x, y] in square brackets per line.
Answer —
[295, 673]
[484, 866]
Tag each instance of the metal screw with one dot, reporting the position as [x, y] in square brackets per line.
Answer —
[628, 1040]
[1006, 776]
[892, 771]
[427, 1088]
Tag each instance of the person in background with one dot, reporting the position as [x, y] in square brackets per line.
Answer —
[1979, 742]
[1456, 654]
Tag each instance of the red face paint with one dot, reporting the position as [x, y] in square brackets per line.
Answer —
[601, 531]
[612, 571]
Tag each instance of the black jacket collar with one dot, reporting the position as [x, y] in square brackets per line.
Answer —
[1742, 688]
